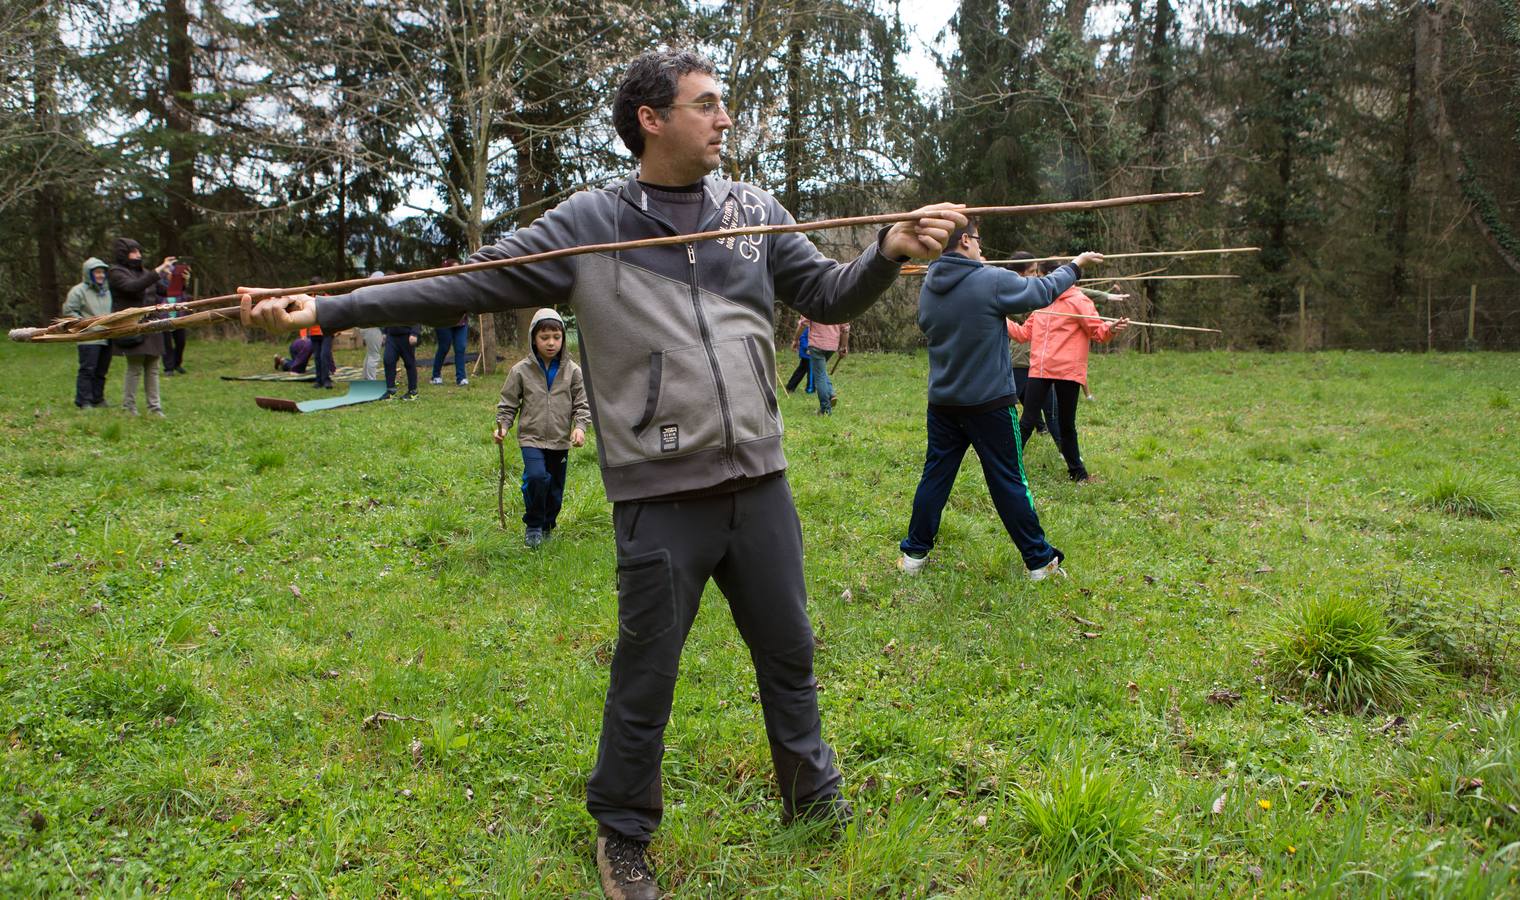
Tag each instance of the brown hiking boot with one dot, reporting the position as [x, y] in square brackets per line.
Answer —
[624, 871]
[834, 812]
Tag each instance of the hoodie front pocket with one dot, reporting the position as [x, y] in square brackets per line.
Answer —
[680, 413]
[751, 391]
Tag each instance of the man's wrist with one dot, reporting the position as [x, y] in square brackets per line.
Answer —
[881, 247]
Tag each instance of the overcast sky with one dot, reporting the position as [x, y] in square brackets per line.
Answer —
[924, 19]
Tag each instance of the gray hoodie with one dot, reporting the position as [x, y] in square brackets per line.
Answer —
[88, 298]
[675, 342]
[961, 311]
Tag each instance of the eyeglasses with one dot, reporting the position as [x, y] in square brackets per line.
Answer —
[708, 108]
[974, 237]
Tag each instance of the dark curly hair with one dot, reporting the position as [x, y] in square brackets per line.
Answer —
[651, 81]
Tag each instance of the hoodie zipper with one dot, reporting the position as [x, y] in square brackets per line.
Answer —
[712, 360]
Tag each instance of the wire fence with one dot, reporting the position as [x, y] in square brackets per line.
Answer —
[1487, 320]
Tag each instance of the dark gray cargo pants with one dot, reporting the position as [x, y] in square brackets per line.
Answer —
[750, 542]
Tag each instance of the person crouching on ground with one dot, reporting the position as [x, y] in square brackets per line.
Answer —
[961, 311]
[90, 297]
[300, 352]
[1058, 346]
[545, 394]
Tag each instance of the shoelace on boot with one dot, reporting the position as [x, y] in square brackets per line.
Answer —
[627, 858]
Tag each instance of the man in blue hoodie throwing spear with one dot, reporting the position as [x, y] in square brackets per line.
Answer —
[677, 348]
[962, 309]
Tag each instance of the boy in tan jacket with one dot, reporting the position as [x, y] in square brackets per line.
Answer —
[546, 395]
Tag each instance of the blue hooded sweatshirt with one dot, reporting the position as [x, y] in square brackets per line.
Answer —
[961, 310]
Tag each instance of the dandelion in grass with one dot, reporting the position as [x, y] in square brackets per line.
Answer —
[1338, 651]
[1264, 804]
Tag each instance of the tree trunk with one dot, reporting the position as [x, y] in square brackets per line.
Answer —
[180, 120]
[792, 151]
[1409, 160]
[340, 257]
[1076, 16]
[1429, 38]
[47, 219]
[474, 235]
[1159, 86]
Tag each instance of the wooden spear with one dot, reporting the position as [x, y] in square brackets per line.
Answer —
[922, 270]
[1049, 312]
[1109, 256]
[1156, 278]
[104, 325]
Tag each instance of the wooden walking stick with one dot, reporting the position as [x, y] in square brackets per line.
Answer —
[501, 484]
[127, 321]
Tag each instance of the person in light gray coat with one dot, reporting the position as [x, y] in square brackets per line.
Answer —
[90, 297]
[374, 344]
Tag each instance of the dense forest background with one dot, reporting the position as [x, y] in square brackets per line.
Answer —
[1367, 147]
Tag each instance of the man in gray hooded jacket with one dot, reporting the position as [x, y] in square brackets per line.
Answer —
[677, 350]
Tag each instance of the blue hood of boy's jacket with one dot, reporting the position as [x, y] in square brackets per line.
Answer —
[961, 311]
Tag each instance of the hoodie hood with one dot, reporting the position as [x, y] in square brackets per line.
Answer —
[121, 248]
[947, 272]
[539, 318]
[89, 266]
[545, 315]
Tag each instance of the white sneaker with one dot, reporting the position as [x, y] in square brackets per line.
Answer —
[464, 382]
[909, 565]
[1049, 570]
[435, 381]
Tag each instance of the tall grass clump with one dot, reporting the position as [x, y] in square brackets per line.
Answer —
[1085, 825]
[1338, 651]
[1471, 496]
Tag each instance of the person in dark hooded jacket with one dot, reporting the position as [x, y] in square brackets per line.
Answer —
[961, 310]
[90, 297]
[132, 286]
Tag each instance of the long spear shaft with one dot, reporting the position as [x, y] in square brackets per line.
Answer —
[76, 326]
[1156, 278]
[1109, 256]
[920, 270]
[1049, 312]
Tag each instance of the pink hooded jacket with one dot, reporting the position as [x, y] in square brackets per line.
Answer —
[1058, 344]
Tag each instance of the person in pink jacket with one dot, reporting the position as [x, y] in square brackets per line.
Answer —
[1058, 346]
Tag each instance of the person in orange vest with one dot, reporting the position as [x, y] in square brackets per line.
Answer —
[1058, 348]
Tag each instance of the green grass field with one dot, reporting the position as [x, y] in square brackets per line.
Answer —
[199, 613]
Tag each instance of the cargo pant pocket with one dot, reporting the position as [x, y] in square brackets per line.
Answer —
[646, 597]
